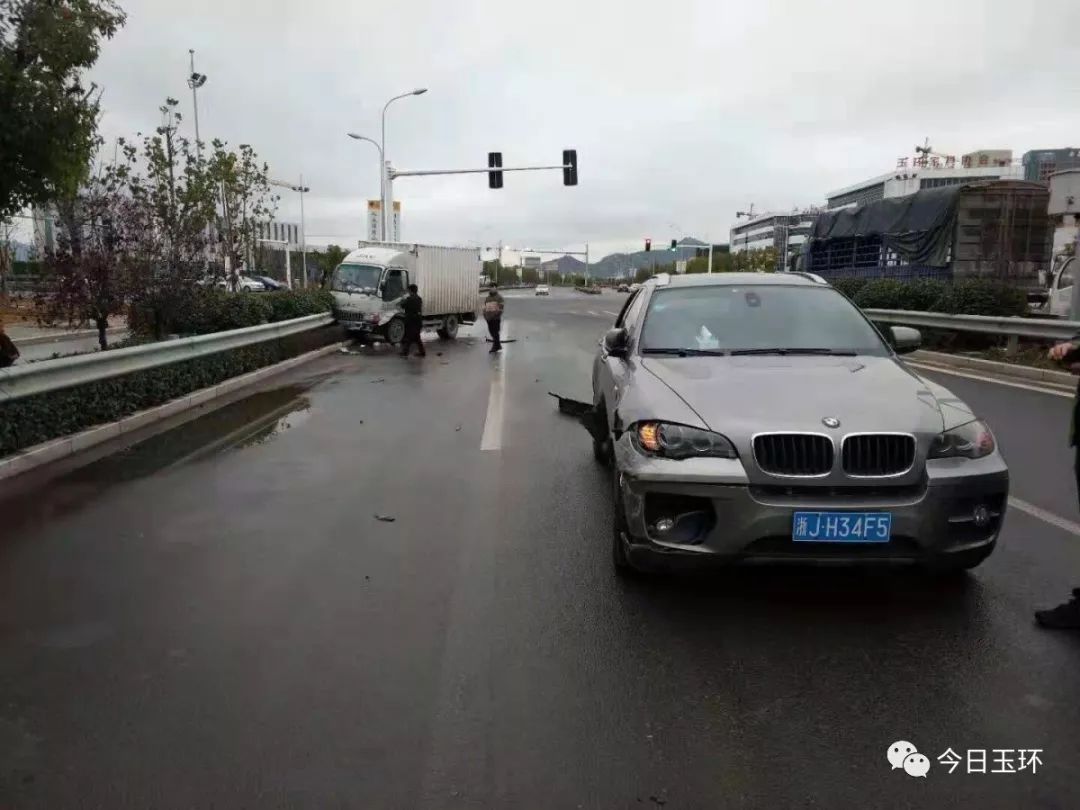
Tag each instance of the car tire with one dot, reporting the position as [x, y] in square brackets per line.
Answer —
[449, 329]
[602, 450]
[619, 558]
[395, 331]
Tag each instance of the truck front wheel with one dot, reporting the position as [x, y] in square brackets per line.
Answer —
[449, 328]
[395, 331]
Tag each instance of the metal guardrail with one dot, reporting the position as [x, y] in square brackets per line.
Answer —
[1013, 328]
[64, 372]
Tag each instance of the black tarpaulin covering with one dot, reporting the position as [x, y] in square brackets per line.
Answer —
[919, 227]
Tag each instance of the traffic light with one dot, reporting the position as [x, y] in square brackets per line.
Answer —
[495, 179]
[569, 162]
[648, 245]
[674, 244]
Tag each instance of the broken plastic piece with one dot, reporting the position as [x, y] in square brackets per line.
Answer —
[385, 518]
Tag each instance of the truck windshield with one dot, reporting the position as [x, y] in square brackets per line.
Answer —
[356, 278]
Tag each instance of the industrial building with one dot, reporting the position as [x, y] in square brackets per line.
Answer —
[784, 231]
[928, 170]
[1039, 164]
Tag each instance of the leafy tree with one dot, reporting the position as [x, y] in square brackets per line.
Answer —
[327, 260]
[49, 119]
[86, 277]
[246, 201]
[643, 274]
[530, 276]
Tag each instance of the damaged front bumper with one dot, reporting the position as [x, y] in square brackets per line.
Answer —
[703, 510]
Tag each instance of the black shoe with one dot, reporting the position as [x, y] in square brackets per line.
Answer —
[492, 350]
[1063, 617]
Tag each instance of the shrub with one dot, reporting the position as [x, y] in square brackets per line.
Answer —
[31, 420]
[212, 309]
[969, 296]
[849, 286]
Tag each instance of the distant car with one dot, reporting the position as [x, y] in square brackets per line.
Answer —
[542, 289]
[271, 284]
[623, 288]
[243, 284]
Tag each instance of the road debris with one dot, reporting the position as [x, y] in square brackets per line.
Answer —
[347, 350]
[583, 412]
[379, 379]
[385, 518]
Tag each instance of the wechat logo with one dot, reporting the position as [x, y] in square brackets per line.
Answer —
[902, 754]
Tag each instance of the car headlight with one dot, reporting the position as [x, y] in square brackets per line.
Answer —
[668, 440]
[973, 440]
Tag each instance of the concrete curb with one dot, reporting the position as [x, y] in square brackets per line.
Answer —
[57, 449]
[1010, 370]
[61, 337]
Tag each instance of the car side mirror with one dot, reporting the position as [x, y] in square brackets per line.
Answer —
[905, 339]
[616, 341]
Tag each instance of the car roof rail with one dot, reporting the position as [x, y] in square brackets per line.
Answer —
[811, 276]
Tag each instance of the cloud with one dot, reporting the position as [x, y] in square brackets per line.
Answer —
[681, 113]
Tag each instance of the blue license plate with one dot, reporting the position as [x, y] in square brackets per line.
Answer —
[841, 527]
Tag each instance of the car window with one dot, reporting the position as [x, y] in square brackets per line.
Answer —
[730, 317]
[1065, 280]
[395, 285]
[631, 311]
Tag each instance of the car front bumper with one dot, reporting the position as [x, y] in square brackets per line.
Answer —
[933, 520]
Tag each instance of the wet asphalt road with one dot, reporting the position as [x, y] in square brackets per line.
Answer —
[215, 618]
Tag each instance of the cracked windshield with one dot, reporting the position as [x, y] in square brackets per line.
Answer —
[382, 427]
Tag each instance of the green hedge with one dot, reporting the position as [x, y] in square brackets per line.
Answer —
[205, 310]
[972, 296]
[39, 418]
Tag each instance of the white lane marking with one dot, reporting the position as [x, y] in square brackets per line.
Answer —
[594, 313]
[1042, 514]
[493, 422]
[1058, 392]
[612, 314]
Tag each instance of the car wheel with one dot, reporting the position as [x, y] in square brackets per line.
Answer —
[449, 328]
[602, 448]
[395, 331]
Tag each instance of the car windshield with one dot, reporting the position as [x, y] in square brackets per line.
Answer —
[757, 319]
[357, 278]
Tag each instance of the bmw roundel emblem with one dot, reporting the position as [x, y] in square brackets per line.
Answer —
[831, 422]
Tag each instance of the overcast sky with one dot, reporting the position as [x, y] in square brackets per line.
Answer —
[681, 112]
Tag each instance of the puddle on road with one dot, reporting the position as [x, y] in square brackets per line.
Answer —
[256, 419]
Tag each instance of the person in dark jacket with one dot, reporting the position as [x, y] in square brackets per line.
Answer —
[1066, 616]
[493, 312]
[8, 353]
[413, 305]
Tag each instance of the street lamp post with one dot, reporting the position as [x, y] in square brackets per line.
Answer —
[195, 81]
[382, 171]
[302, 190]
[384, 186]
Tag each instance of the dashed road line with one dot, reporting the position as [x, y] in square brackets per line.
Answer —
[1058, 392]
[1044, 515]
[491, 439]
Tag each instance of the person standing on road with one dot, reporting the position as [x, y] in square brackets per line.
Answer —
[1066, 616]
[8, 353]
[413, 305]
[493, 312]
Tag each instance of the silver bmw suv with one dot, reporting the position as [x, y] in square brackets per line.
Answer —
[763, 418]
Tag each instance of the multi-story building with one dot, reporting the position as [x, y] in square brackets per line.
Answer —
[928, 171]
[784, 231]
[279, 232]
[1039, 164]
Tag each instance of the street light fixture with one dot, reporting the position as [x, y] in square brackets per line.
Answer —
[374, 143]
[302, 190]
[385, 203]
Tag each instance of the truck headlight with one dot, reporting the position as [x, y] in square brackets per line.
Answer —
[973, 440]
[668, 440]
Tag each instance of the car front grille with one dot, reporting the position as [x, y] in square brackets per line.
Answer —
[878, 454]
[797, 454]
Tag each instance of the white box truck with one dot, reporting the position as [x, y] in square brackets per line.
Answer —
[369, 284]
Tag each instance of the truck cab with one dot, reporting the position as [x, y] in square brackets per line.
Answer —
[1059, 298]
